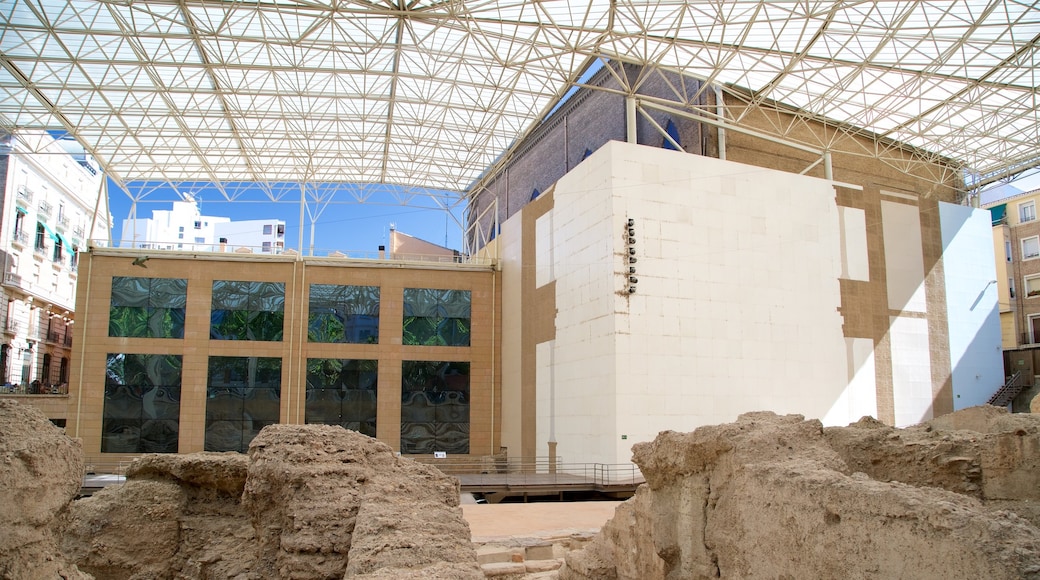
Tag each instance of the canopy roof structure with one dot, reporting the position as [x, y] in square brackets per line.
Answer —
[428, 94]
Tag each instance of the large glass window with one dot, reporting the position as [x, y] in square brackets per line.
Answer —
[434, 407]
[247, 310]
[147, 307]
[243, 395]
[342, 392]
[343, 314]
[436, 317]
[142, 403]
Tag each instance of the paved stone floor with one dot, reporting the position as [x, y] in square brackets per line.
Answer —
[536, 519]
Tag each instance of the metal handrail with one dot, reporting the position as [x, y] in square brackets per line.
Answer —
[541, 470]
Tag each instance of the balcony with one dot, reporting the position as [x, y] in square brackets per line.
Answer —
[63, 222]
[44, 208]
[12, 326]
[25, 194]
[20, 238]
[78, 231]
[12, 279]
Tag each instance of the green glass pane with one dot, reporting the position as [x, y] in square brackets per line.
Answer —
[128, 321]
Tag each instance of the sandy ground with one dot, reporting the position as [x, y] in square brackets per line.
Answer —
[538, 519]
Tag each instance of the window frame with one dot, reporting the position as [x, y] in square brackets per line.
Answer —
[349, 317]
[1033, 321]
[249, 310]
[40, 242]
[123, 418]
[429, 312]
[158, 314]
[1022, 248]
[1031, 206]
[1027, 288]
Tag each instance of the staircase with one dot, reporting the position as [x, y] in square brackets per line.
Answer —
[1006, 393]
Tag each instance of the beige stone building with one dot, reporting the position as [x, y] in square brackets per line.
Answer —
[182, 352]
[1016, 245]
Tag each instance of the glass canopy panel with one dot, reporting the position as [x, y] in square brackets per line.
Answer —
[267, 91]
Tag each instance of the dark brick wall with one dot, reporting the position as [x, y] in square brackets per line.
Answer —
[585, 122]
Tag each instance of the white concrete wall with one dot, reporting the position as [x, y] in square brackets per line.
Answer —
[250, 234]
[586, 356]
[912, 389]
[736, 307]
[971, 304]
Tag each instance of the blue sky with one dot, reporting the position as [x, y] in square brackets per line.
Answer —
[350, 226]
[343, 225]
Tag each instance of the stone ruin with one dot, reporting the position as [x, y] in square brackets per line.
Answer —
[766, 496]
[781, 497]
[307, 502]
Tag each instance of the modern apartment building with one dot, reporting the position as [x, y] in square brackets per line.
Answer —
[47, 206]
[185, 228]
[1016, 247]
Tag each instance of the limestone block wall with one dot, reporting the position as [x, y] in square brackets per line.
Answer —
[757, 289]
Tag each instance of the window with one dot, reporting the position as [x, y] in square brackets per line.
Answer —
[147, 307]
[343, 314]
[180, 236]
[1011, 287]
[1007, 249]
[436, 317]
[19, 221]
[180, 229]
[200, 240]
[342, 392]
[142, 407]
[1032, 286]
[434, 407]
[247, 310]
[1030, 247]
[41, 236]
[58, 253]
[266, 247]
[243, 395]
[74, 258]
[198, 225]
[1027, 211]
[267, 229]
[1034, 329]
[672, 131]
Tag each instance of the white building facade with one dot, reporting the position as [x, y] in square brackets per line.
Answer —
[49, 199]
[185, 228]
